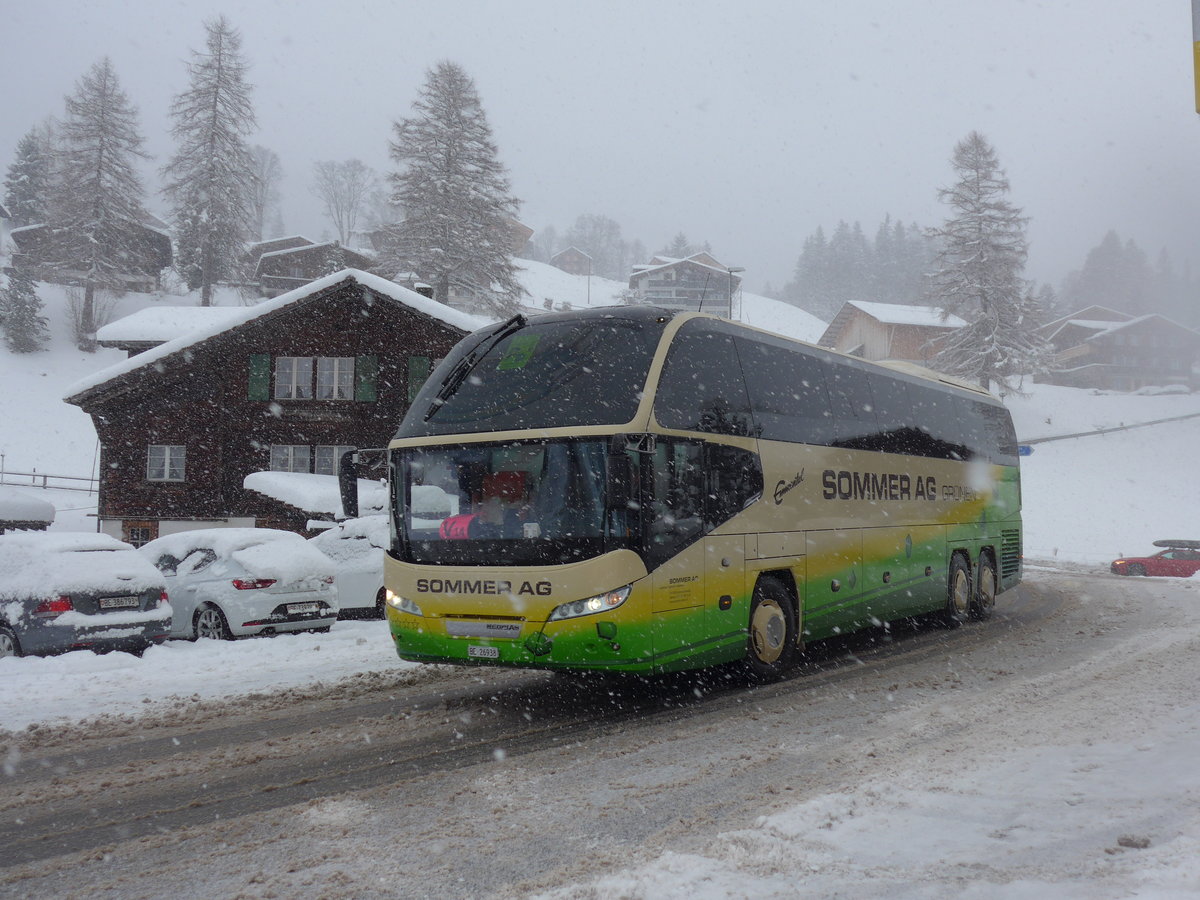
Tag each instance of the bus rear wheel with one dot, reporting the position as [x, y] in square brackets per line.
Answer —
[985, 588]
[771, 644]
[958, 592]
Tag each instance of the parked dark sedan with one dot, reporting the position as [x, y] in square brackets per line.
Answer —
[62, 591]
[1180, 558]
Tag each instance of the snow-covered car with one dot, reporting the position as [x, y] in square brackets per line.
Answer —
[235, 582]
[62, 591]
[356, 547]
[1179, 558]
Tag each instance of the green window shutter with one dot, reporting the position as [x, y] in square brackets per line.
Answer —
[366, 375]
[260, 377]
[418, 374]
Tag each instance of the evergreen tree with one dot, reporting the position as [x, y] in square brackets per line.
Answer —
[29, 179]
[210, 179]
[264, 194]
[600, 238]
[20, 313]
[96, 205]
[979, 274]
[455, 194]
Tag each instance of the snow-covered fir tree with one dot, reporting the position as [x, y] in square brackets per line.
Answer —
[455, 194]
[209, 181]
[978, 275]
[28, 180]
[20, 313]
[96, 207]
[344, 187]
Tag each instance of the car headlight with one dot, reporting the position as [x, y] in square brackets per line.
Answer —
[403, 604]
[592, 605]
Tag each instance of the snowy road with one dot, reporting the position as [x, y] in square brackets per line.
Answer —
[926, 765]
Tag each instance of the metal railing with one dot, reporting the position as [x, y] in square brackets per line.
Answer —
[47, 481]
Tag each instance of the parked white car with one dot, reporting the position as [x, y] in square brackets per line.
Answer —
[62, 591]
[235, 582]
[356, 547]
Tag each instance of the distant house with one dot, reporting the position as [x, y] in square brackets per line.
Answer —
[878, 331]
[35, 244]
[696, 283]
[572, 260]
[21, 511]
[282, 270]
[155, 325]
[1098, 347]
[286, 386]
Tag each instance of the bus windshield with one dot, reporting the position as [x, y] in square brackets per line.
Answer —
[539, 374]
[511, 503]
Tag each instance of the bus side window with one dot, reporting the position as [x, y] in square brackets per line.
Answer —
[788, 393]
[701, 388]
[853, 407]
[734, 478]
[677, 507]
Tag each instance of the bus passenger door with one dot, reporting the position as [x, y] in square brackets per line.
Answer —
[834, 581]
[727, 601]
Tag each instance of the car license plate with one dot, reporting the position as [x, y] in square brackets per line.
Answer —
[298, 608]
[483, 652]
[120, 602]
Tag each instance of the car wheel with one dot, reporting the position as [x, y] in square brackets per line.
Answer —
[9, 645]
[958, 592]
[209, 622]
[1137, 569]
[380, 600]
[985, 588]
[771, 642]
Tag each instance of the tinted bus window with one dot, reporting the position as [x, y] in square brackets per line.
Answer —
[701, 388]
[788, 393]
[853, 407]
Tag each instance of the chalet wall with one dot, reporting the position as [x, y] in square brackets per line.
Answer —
[201, 400]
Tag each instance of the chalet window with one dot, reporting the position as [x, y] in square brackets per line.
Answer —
[294, 378]
[291, 458]
[335, 378]
[328, 457]
[418, 374]
[165, 462]
[301, 458]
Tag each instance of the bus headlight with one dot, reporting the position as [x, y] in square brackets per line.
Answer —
[597, 604]
[403, 604]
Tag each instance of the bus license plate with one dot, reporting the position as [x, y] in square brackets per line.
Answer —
[483, 652]
[298, 608]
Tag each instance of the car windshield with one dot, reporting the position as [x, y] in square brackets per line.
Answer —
[540, 374]
[530, 503]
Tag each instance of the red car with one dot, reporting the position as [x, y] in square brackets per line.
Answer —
[1180, 558]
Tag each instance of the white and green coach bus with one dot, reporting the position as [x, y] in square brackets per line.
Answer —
[635, 489]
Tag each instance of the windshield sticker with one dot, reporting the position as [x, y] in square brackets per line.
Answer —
[518, 353]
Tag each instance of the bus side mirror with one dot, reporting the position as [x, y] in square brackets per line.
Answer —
[348, 483]
[620, 481]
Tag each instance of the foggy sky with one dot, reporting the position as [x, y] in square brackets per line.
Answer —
[746, 124]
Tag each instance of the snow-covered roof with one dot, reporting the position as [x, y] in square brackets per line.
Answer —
[402, 295]
[20, 506]
[163, 323]
[668, 263]
[314, 494]
[900, 314]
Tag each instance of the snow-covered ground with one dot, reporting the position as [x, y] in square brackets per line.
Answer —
[1086, 501]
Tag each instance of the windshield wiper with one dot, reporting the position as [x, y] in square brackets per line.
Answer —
[463, 367]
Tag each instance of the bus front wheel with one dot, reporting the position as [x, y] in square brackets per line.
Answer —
[771, 643]
[958, 592]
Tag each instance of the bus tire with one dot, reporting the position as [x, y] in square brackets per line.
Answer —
[771, 642]
[958, 592]
[984, 601]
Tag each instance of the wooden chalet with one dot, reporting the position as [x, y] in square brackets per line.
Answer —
[573, 261]
[1103, 348]
[287, 385]
[878, 331]
[151, 253]
[696, 283]
[279, 271]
